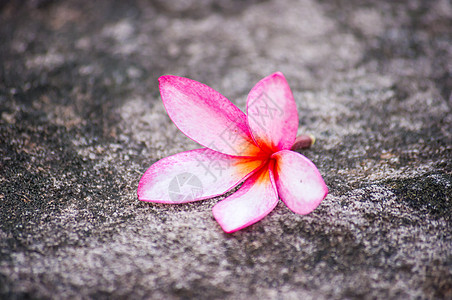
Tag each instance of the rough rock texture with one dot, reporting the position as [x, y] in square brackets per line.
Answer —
[81, 120]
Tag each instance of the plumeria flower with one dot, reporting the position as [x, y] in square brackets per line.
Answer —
[254, 149]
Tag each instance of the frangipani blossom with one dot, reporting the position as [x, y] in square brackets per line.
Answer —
[254, 149]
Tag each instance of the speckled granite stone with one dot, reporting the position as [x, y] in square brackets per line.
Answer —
[81, 120]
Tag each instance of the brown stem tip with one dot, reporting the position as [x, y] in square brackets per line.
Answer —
[303, 141]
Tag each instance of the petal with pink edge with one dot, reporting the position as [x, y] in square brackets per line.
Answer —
[272, 113]
[206, 116]
[255, 199]
[299, 183]
[194, 175]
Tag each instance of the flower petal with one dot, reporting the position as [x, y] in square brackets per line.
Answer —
[272, 113]
[194, 175]
[255, 199]
[206, 116]
[299, 183]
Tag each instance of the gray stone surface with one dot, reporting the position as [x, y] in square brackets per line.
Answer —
[81, 120]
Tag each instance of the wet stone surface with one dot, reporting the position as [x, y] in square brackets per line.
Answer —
[81, 120]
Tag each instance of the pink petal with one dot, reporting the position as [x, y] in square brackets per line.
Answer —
[272, 113]
[255, 199]
[194, 175]
[206, 116]
[299, 183]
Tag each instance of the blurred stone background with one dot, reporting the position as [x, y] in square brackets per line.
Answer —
[81, 120]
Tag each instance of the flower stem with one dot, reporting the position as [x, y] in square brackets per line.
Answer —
[303, 141]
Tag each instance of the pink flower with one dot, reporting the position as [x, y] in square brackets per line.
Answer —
[252, 148]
